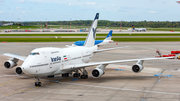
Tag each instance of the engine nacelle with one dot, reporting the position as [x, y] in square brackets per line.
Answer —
[10, 64]
[19, 71]
[137, 68]
[97, 72]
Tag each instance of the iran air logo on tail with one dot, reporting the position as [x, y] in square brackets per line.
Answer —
[55, 59]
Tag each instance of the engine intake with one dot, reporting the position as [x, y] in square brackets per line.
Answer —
[97, 72]
[137, 68]
[19, 71]
[10, 64]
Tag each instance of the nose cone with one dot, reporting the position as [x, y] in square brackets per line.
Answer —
[26, 69]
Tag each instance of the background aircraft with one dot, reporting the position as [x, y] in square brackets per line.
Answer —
[50, 61]
[107, 40]
[137, 29]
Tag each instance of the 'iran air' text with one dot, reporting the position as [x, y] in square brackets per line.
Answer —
[56, 59]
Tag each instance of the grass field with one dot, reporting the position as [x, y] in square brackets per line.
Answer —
[81, 39]
[104, 34]
[79, 27]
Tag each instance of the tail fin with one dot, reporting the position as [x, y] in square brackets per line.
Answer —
[90, 40]
[133, 27]
[109, 36]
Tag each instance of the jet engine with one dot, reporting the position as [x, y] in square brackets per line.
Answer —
[19, 71]
[138, 67]
[99, 71]
[10, 64]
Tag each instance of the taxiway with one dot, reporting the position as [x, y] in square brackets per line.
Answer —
[115, 85]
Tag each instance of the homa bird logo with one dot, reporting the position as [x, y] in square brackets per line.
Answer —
[56, 59]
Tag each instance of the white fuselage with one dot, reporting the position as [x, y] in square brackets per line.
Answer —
[49, 61]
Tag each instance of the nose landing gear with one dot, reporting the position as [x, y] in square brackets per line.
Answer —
[38, 83]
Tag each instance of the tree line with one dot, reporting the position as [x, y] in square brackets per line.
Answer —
[146, 24]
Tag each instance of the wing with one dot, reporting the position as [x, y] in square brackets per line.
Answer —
[15, 56]
[77, 66]
[109, 49]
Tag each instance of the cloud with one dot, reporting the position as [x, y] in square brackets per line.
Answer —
[90, 3]
[23, 11]
[153, 12]
[69, 4]
[1, 11]
[113, 5]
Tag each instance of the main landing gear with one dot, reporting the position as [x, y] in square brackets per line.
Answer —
[77, 74]
[65, 75]
[38, 83]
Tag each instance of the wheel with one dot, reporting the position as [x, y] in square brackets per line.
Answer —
[38, 84]
[74, 75]
[52, 76]
[78, 75]
[86, 76]
[67, 75]
[82, 76]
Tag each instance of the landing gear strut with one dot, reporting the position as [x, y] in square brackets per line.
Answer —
[38, 83]
[85, 74]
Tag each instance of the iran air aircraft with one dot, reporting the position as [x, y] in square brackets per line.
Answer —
[50, 61]
[107, 40]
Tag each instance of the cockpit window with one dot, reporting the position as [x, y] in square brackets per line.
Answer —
[34, 54]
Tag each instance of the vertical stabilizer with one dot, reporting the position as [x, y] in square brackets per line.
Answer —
[90, 40]
[109, 36]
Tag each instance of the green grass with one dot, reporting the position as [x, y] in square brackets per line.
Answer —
[104, 34]
[81, 39]
[78, 27]
[145, 39]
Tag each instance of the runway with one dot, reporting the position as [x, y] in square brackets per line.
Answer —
[85, 36]
[100, 32]
[115, 85]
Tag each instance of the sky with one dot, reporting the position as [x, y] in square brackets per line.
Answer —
[66, 10]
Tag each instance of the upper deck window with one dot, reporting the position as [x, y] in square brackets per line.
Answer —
[34, 54]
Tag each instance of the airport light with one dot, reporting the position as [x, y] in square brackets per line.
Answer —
[148, 26]
[46, 23]
[70, 23]
[11, 26]
[18, 23]
[121, 25]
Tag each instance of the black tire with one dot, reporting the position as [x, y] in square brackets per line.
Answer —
[82, 76]
[86, 76]
[79, 74]
[39, 84]
[75, 75]
[36, 84]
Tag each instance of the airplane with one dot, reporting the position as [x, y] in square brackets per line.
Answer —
[137, 29]
[50, 61]
[107, 40]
